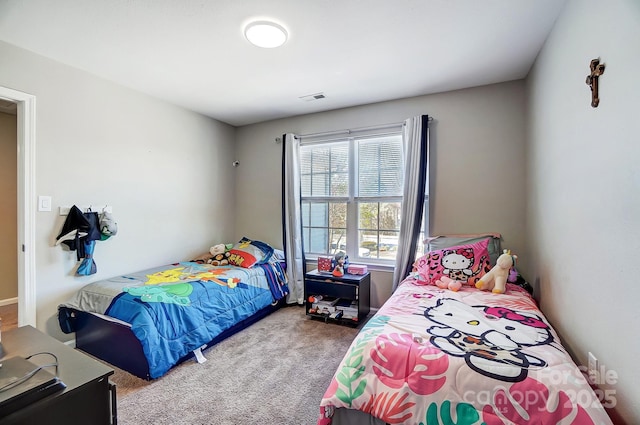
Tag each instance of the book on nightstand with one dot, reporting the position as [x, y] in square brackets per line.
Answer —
[323, 304]
[349, 308]
[21, 383]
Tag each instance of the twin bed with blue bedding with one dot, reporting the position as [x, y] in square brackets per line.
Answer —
[149, 321]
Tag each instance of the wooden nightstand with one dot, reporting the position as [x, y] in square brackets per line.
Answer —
[352, 292]
[89, 397]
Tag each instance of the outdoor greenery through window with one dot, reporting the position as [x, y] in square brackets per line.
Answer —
[351, 192]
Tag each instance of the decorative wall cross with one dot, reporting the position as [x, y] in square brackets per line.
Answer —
[597, 69]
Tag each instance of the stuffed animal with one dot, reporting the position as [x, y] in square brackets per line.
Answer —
[495, 280]
[340, 260]
[220, 255]
[446, 282]
[513, 275]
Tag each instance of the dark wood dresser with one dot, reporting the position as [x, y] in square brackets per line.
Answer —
[89, 397]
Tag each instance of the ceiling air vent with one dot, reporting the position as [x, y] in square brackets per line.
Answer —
[312, 97]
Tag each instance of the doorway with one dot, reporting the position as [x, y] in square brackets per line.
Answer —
[8, 213]
[26, 109]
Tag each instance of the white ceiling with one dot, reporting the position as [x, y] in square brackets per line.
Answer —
[193, 52]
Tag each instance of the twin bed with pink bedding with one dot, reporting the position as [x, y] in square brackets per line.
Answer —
[432, 356]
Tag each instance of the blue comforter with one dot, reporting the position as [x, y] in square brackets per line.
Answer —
[176, 309]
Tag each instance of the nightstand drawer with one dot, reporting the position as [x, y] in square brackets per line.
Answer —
[334, 289]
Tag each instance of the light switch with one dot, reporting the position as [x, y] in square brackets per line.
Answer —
[44, 203]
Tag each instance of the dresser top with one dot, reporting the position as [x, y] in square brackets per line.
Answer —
[346, 278]
[74, 367]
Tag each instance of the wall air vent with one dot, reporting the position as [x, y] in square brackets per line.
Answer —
[312, 97]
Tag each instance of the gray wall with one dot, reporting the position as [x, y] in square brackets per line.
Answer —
[477, 179]
[583, 224]
[166, 171]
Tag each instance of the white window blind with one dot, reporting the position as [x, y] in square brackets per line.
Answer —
[351, 192]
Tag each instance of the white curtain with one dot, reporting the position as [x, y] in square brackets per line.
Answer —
[415, 143]
[291, 225]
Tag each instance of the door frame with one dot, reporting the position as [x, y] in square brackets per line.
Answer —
[26, 131]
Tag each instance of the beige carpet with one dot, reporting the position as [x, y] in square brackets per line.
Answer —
[274, 372]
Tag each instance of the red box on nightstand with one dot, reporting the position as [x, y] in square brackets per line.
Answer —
[324, 264]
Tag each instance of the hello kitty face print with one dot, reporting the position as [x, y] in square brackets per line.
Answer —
[457, 264]
[490, 339]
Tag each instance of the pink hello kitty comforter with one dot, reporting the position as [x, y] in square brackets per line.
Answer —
[431, 356]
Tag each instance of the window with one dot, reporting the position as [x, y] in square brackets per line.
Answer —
[351, 194]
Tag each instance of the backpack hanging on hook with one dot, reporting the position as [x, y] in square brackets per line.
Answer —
[108, 226]
[88, 265]
[79, 232]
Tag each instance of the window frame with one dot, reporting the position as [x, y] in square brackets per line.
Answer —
[352, 201]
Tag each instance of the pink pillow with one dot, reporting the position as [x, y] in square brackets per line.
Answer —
[466, 263]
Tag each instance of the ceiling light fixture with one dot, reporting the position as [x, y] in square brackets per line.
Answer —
[265, 34]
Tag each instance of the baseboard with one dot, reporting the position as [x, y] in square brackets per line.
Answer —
[9, 301]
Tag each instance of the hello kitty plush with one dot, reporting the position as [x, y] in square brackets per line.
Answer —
[496, 279]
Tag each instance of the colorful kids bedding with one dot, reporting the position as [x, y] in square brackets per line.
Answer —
[176, 309]
[434, 356]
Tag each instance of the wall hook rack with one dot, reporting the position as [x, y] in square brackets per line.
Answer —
[85, 208]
